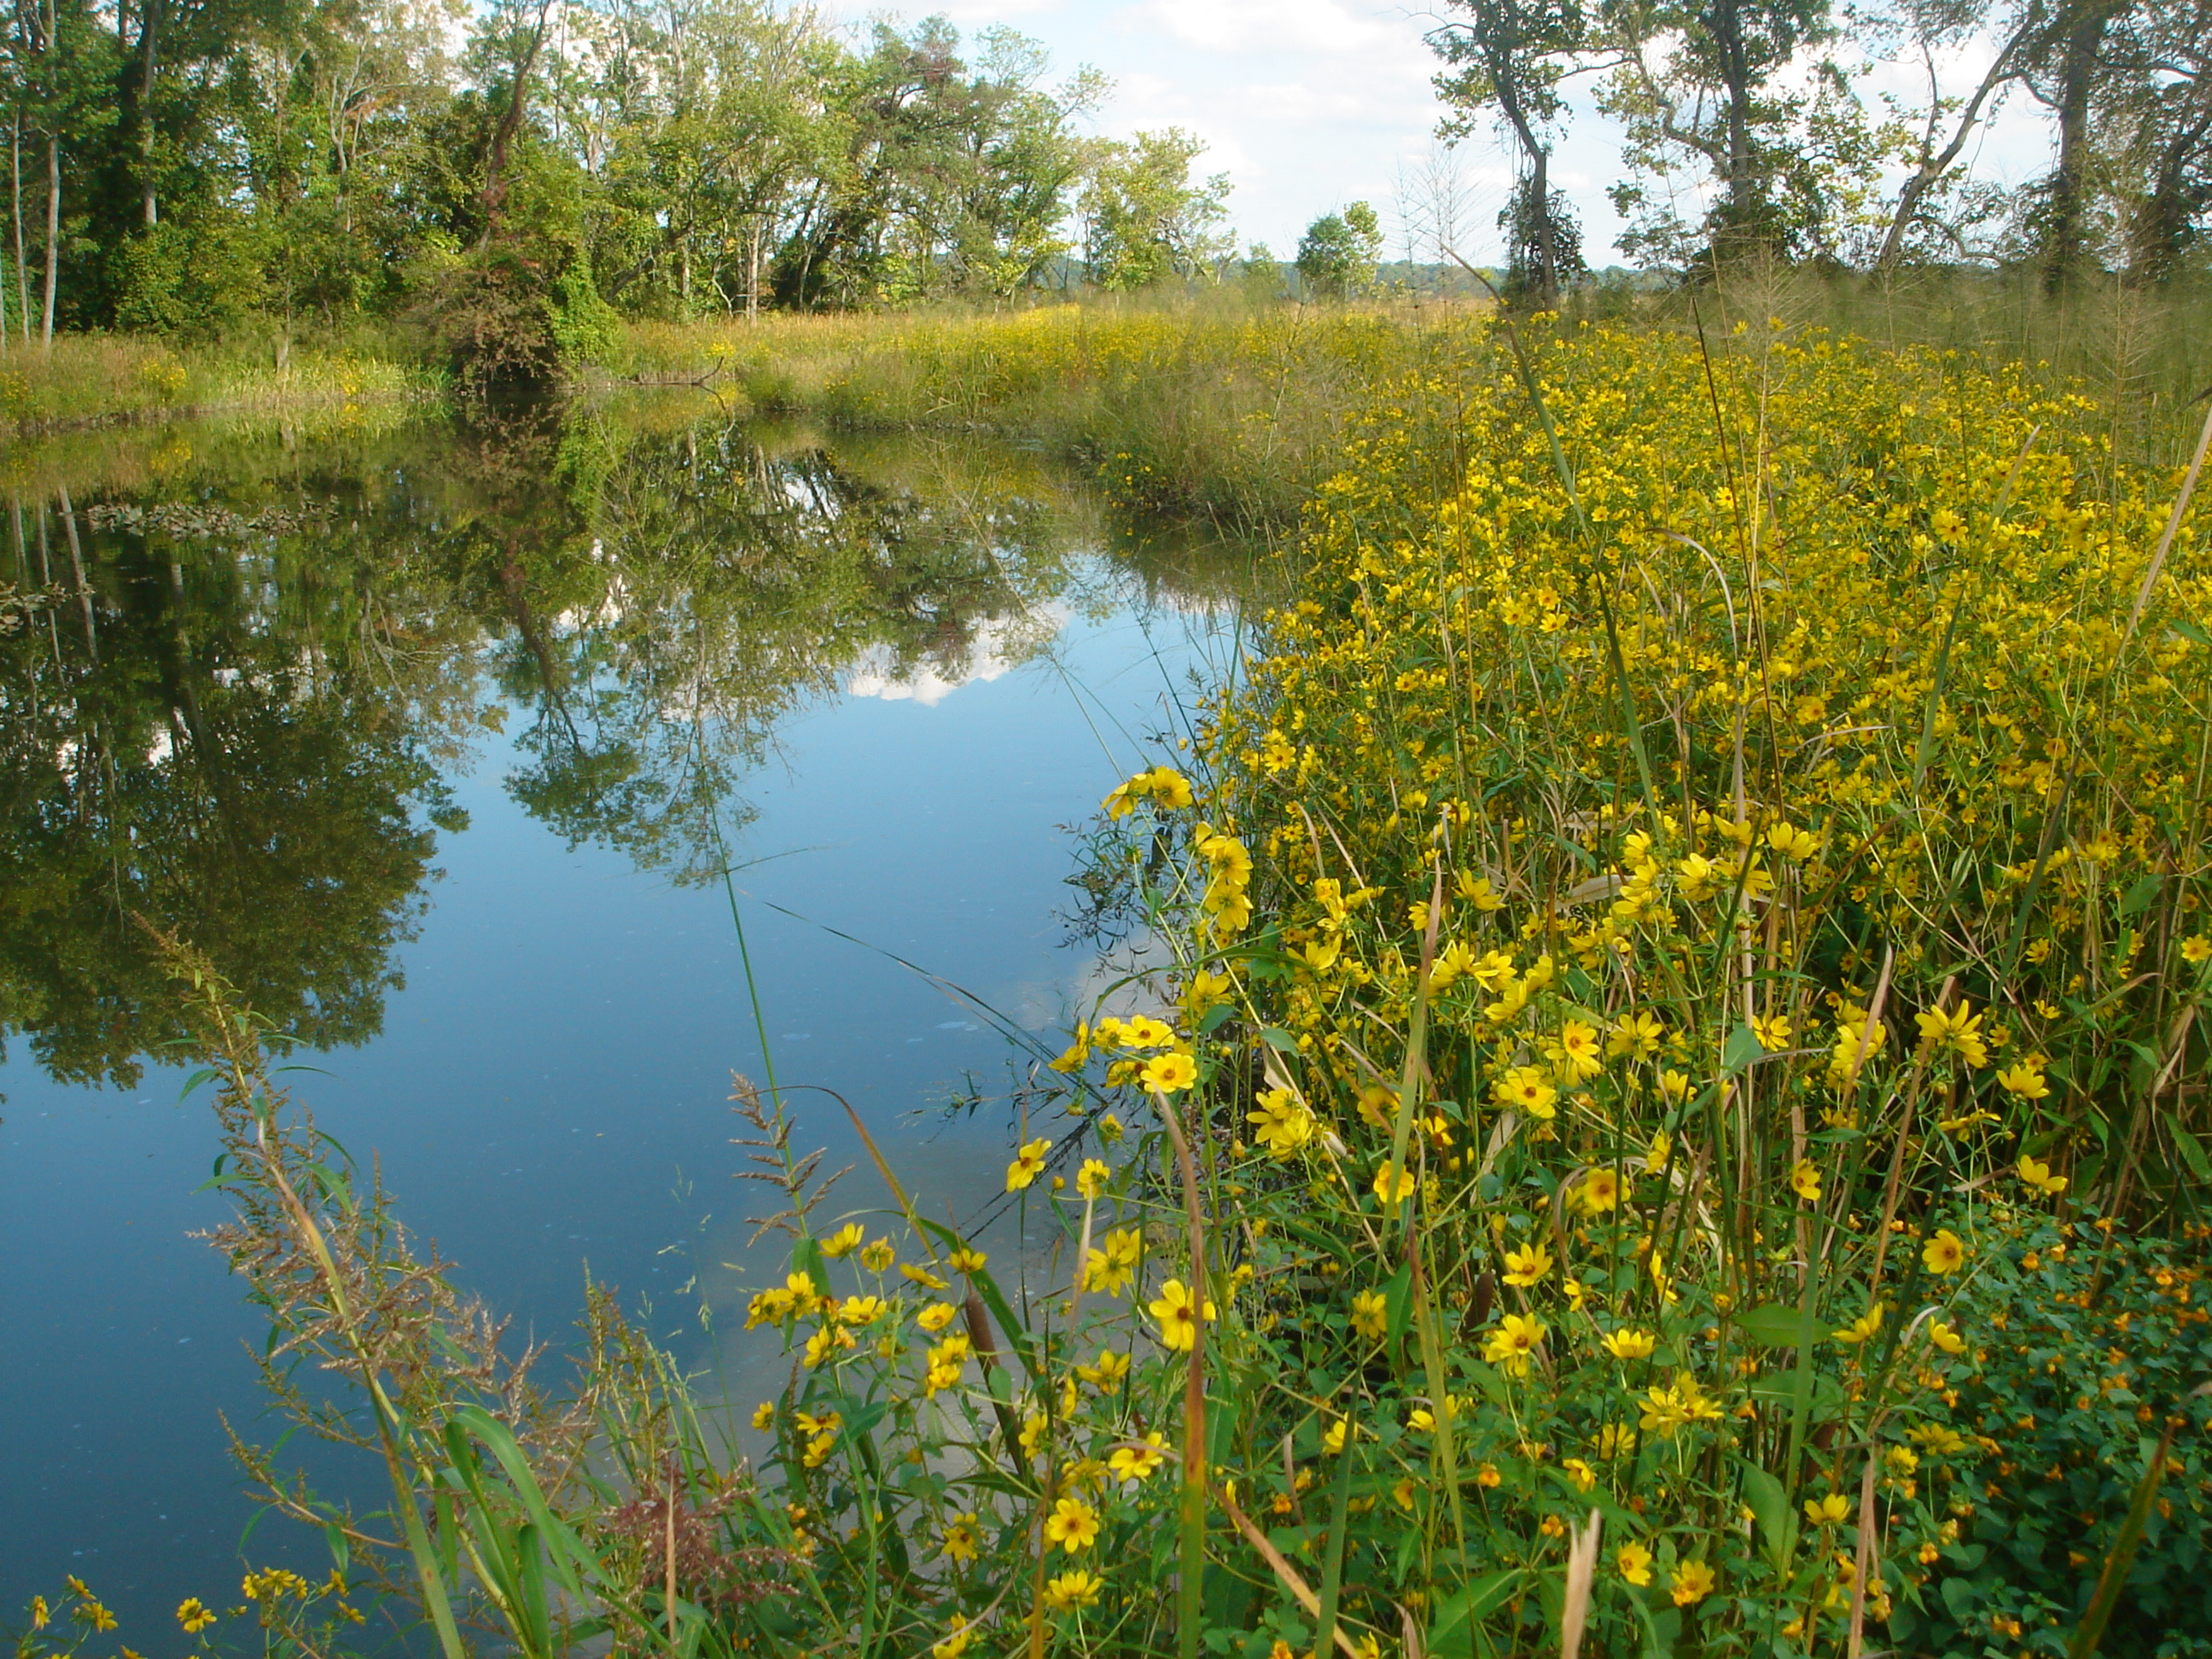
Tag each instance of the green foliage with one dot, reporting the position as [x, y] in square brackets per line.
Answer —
[197, 284]
[1540, 239]
[2098, 1338]
[586, 328]
[1337, 254]
[1145, 220]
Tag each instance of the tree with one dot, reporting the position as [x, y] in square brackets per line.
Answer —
[2156, 74]
[1144, 219]
[1338, 253]
[58, 59]
[2061, 61]
[950, 176]
[1703, 78]
[1927, 141]
[1511, 56]
[206, 750]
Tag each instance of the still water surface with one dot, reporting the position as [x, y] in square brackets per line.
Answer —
[436, 737]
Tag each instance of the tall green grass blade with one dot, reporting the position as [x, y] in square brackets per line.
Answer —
[1339, 1515]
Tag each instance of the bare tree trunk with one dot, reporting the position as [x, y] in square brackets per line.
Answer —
[494, 194]
[22, 270]
[53, 231]
[1736, 75]
[1547, 237]
[2159, 229]
[83, 587]
[1932, 168]
[149, 24]
[1539, 199]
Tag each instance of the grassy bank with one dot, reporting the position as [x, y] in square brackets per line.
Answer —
[89, 381]
[1212, 407]
[1208, 402]
[1668, 1117]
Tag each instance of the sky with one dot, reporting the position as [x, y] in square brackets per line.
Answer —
[1309, 105]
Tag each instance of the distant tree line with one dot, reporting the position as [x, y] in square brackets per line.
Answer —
[511, 178]
[514, 177]
[1759, 127]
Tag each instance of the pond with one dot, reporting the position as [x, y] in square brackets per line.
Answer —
[466, 749]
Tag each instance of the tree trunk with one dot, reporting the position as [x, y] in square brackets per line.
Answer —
[83, 587]
[149, 18]
[1736, 77]
[1547, 239]
[1538, 201]
[22, 270]
[494, 195]
[2159, 228]
[2064, 243]
[53, 231]
[1932, 168]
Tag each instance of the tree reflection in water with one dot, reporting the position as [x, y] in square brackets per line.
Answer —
[231, 705]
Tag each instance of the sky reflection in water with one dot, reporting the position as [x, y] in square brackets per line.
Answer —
[911, 670]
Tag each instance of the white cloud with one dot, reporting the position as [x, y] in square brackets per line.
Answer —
[1000, 645]
[1270, 26]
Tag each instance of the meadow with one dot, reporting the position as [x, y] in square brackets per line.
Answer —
[1674, 1123]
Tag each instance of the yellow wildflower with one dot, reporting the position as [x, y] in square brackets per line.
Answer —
[1137, 1461]
[1526, 1266]
[1631, 1344]
[1691, 1582]
[1946, 1252]
[1074, 1590]
[1073, 1525]
[1178, 1315]
[1028, 1165]
[1513, 1343]
[1634, 1562]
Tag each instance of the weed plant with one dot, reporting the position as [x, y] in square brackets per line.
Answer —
[1708, 871]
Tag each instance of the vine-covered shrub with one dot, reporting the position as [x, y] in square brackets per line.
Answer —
[2096, 1341]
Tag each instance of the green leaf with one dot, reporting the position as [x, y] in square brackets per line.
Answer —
[1398, 1299]
[1452, 1636]
[1770, 1504]
[1275, 1037]
[2192, 1151]
[1776, 1325]
[1487, 1379]
[1743, 1047]
[1958, 1599]
[806, 1258]
[2138, 898]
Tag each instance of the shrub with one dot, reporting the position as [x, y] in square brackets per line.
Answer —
[2096, 1341]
